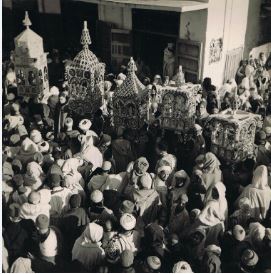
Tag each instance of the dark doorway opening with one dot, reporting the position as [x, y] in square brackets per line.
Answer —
[149, 47]
[150, 37]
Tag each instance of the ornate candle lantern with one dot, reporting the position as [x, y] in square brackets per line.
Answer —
[233, 134]
[130, 101]
[179, 107]
[30, 63]
[85, 78]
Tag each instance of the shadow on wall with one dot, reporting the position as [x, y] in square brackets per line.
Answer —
[257, 31]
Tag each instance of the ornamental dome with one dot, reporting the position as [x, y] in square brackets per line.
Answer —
[85, 59]
[28, 42]
[131, 86]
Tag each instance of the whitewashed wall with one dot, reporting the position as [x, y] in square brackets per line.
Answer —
[227, 19]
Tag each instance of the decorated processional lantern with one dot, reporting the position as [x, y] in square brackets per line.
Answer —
[85, 77]
[233, 134]
[178, 107]
[30, 63]
[130, 101]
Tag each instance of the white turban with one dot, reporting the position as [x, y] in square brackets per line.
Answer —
[85, 124]
[35, 136]
[92, 234]
[164, 168]
[182, 267]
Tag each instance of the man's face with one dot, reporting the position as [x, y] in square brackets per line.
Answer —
[62, 100]
[202, 109]
[196, 238]
[181, 205]
[180, 182]
[192, 217]
[108, 225]
[164, 175]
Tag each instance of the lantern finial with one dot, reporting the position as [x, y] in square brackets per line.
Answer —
[131, 65]
[85, 37]
[27, 23]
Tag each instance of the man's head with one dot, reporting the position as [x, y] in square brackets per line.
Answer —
[164, 172]
[141, 166]
[14, 212]
[42, 224]
[34, 198]
[180, 178]
[62, 99]
[194, 215]
[196, 237]
[202, 107]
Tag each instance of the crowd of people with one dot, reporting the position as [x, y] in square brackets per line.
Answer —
[79, 195]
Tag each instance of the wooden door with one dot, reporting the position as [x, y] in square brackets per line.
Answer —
[189, 56]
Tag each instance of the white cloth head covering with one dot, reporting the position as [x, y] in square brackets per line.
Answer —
[256, 232]
[35, 136]
[260, 178]
[96, 196]
[226, 88]
[71, 165]
[244, 201]
[182, 267]
[181, 174]
[121, 76]
[14, 122]
[85, 124]
[34, 169]
[213, 248]
[92, 234]
[54, 91]
[164, 168]
[215, 211]
[44, 146]
[28, 146]
[21, 265]
[127, 221]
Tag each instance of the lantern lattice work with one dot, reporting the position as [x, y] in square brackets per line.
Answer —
[130, 101]
[30, 63]
[85, 77]
[179, 107]
[233, 134]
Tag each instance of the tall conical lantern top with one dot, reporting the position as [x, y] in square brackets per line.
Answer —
[27, 23]
[85, 37]
[131, 66]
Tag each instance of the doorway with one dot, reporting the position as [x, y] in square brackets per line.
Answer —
[150, 37]
[149, 47]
